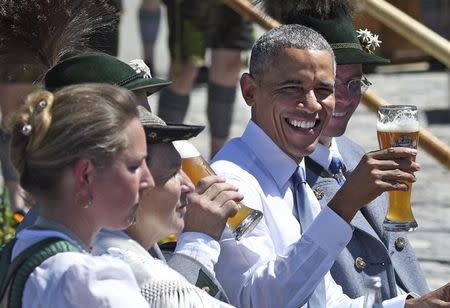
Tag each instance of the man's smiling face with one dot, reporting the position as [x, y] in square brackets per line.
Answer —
[294, 99]
[347, 98]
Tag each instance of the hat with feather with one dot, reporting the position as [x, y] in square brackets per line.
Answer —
[64, 42]
[101, 67]
[36, 34]
[332, 19]
[59, 42]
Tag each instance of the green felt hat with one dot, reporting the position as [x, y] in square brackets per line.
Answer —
[102, 68]
[343, 38]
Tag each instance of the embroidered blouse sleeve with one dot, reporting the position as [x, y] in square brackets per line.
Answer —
[79, 280]
[172, 293]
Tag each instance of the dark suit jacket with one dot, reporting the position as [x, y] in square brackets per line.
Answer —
[371, 251]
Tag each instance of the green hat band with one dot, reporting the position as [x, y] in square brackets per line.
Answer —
[346, 45]
[102, 68]
[124, 82]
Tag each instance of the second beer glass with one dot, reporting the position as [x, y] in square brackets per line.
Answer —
[398, 126]
[196, 168]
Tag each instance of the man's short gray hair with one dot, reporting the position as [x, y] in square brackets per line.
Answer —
[268, 46]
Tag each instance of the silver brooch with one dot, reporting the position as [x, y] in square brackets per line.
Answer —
[140, 67]
[42, 104]
[26, 130]
[318, 193]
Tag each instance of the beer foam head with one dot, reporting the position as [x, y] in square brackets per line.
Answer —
[406, 126]
[400, 119]
[186, 149]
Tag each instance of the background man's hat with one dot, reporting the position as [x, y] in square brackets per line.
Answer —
[157, 131]
[343, 38]
[102, 68]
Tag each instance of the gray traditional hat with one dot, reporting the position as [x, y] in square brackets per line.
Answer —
[158, 131]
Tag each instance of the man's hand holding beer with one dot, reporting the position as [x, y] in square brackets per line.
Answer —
[377, 172]
[210, 205]
[437, 298]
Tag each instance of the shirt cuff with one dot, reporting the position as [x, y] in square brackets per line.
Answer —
[396, 302]
[200, 247]
[330, 231]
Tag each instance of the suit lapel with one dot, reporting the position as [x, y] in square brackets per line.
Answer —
[360, 222]
[374, 213]
[321, 181]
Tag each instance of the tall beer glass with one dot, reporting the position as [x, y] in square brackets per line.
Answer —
[398, 126]
[196, 168]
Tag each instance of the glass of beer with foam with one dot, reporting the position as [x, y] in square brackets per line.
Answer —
[398, 126]
[196, 168]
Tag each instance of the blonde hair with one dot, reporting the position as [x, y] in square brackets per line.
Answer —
[53, 131]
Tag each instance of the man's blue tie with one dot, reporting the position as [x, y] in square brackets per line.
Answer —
[305, 217]
[303, 212]
[337, 169]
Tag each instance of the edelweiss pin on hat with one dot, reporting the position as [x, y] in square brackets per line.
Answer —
[101, 67]
[349, 46]
[332, 19]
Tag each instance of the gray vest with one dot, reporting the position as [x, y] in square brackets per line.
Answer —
[371, 251]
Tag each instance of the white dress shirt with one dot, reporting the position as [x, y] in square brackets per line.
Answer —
[323, 155]
[276, 265]
[200, 247]
[74, 279]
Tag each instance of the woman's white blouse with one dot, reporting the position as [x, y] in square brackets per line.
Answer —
[73, 279]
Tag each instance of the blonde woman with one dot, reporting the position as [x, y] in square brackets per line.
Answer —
[81, 154]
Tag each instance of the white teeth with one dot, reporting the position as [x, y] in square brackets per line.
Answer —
[302, 124]
[339, 114]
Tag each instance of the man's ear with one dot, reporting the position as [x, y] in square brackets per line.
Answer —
[248, 88]
[83, 172]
